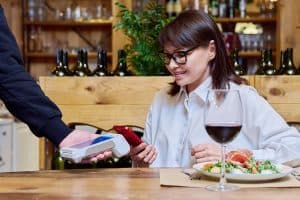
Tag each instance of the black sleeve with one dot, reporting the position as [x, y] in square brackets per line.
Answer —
[22, 95]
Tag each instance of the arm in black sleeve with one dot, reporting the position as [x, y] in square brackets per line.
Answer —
[22, 95]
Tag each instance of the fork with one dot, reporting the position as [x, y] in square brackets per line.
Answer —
[296, 174]
[193, 174]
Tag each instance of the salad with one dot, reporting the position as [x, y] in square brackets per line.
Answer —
[242, 162]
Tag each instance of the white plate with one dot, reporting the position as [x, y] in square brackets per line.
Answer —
[283, 171]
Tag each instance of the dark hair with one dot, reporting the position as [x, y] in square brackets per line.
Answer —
[194, 28]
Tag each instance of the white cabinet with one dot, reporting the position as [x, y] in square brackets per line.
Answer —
[26, 149]
[6, 145]
[19, 148]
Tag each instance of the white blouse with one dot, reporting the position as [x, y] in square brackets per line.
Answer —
[175, 124]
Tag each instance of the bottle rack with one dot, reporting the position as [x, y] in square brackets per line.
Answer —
[114, 41]
[43, 35]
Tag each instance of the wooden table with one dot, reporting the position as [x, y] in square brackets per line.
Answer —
[129, 183]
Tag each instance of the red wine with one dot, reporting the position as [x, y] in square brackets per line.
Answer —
[223, 132]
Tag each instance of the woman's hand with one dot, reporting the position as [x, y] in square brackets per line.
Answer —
[143, 155]
[206, 152]
[78, 136]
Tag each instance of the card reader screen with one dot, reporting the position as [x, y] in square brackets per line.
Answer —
[91, 142]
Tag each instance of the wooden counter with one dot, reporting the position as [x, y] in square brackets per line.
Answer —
[108, 101]
[127, 183]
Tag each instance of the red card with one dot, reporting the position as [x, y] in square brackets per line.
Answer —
[128, 134]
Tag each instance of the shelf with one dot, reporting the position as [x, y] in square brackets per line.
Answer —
[67, 23]
[41, 55]
[249, 53]
[250, 19]
[253, 53]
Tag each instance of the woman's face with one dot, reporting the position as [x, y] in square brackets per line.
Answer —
[195, 70]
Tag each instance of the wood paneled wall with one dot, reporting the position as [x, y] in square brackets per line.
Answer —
[103, 101]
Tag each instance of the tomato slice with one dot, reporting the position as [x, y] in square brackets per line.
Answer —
[239, 157]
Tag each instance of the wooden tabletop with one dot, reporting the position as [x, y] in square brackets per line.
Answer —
[127, 183]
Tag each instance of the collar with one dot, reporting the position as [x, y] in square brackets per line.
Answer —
[200, 91]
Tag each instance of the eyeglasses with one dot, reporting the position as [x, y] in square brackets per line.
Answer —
[180, 57]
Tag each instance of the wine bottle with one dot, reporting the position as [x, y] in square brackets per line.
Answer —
[177, 7]
[170, 8]
[101, 69]
[214, 8]
[85, 62]
[65, 62]
[290, 66]
[58, 163]
[270, 69]
[262, 64]
[59, 70]
[238, 69]
[121, 69]
[282, 66]
[79, 70]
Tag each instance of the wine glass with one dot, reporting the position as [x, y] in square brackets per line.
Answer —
[223, 121]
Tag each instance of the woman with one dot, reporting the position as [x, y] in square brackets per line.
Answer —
[195, 54]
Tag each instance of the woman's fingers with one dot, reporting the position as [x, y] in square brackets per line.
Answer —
[153, 158]
[148, 155]
[199, 148]
[206, 152]
[137, 149]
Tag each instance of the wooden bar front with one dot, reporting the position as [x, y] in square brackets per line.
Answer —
[107, 101]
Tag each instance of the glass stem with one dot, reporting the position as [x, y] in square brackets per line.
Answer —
[223, 178]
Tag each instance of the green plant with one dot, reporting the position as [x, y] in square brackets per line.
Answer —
[142, 28]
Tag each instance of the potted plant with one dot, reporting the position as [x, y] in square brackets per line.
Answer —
[142, 28]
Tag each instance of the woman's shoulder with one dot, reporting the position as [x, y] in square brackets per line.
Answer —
[245, 89]
[250, 95]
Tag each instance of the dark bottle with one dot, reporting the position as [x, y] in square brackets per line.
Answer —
[290, 66]
[65, 62]
[85, 63]
[262, 63]
[101, 69]
[282, 67]
[270, 69]
[79, 70]
[59, 69]
[57, 162]
[121, 69]
[238, 69]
